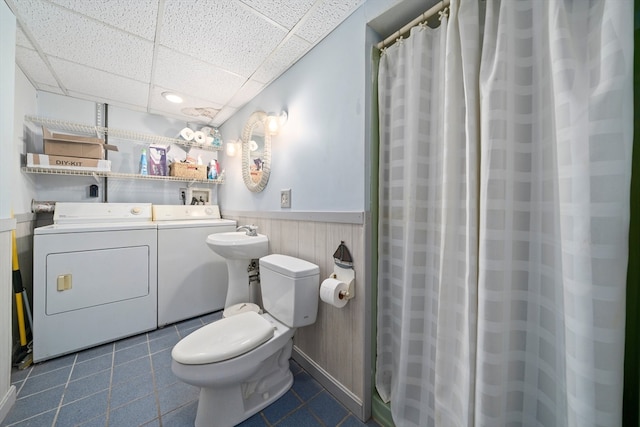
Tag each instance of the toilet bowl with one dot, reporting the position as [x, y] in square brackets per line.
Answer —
[241, 362]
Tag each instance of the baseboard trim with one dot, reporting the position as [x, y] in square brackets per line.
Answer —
[7, 402]
[381, 411]
[340, 392]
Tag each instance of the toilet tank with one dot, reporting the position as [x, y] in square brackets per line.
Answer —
[290, 289]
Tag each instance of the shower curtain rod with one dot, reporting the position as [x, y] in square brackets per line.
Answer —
[423, 17]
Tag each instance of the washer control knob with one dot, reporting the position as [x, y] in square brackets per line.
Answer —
[136, 211]
[208, 211]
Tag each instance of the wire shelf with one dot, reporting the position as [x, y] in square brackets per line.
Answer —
[116, 175]
[101, 131]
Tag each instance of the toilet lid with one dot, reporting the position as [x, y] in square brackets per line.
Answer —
[223, 339]
[242, 307]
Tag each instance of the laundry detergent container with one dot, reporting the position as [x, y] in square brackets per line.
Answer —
[290, 289]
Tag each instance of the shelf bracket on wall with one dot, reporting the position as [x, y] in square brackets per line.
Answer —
[102, 123]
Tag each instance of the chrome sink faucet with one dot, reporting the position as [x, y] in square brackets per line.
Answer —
[251, 230]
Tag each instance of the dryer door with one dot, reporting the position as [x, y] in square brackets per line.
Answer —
[84, 279]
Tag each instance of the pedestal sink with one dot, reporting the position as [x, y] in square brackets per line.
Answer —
[238, 249]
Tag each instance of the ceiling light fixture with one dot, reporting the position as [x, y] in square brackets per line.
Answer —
[172, 97]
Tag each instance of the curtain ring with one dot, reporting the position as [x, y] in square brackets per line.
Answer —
[444, 13]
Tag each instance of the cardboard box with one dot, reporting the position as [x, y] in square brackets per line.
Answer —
[60, 144]
[67, 163]
[157, 160]
[188, 170]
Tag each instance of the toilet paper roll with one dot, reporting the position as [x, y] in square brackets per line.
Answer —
[330, 292]
[187, 133]
[199, 137]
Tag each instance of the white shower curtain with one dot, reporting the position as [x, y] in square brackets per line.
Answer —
[504, 209]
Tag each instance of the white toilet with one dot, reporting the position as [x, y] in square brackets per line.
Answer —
[241, 362]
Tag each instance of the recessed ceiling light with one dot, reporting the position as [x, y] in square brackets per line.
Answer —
[172, 97]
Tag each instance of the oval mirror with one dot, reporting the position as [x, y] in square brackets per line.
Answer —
[256, 152]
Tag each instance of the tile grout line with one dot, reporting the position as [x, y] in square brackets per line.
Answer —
[24, 381]
[18, 390]
[155, 384]
[73, 365]
[113, 365]
[344, 420]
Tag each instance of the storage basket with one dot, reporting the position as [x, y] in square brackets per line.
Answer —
[188, 170]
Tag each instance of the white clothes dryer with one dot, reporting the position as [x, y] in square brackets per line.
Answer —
[94, 276]
[192, 279]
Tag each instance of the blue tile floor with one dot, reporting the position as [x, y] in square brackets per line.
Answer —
[130, 383]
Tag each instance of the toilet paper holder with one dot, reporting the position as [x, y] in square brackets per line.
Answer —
[346, 276]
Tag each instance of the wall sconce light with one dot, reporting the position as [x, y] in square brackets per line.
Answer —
[276, 122]
[232, 148]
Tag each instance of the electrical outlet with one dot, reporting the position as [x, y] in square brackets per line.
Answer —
[285, 198]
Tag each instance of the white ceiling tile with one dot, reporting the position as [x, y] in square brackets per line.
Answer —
[22, 40]
[76, 38]
[37, 70]
[101, 85]
[250, 89]
[325, 18]
[222, 33]
[190, 76]
[221, 117]
[286, 55]
[177, 114]
[52, 89]
[132, 16]
[216, 53]
[285, 12]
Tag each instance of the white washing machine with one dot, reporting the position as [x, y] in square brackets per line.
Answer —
[94, 276]
[192, 279]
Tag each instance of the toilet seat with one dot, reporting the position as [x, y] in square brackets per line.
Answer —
[224, 339]
[242, 307]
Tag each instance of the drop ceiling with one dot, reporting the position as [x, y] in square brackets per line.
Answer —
[216, 54]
